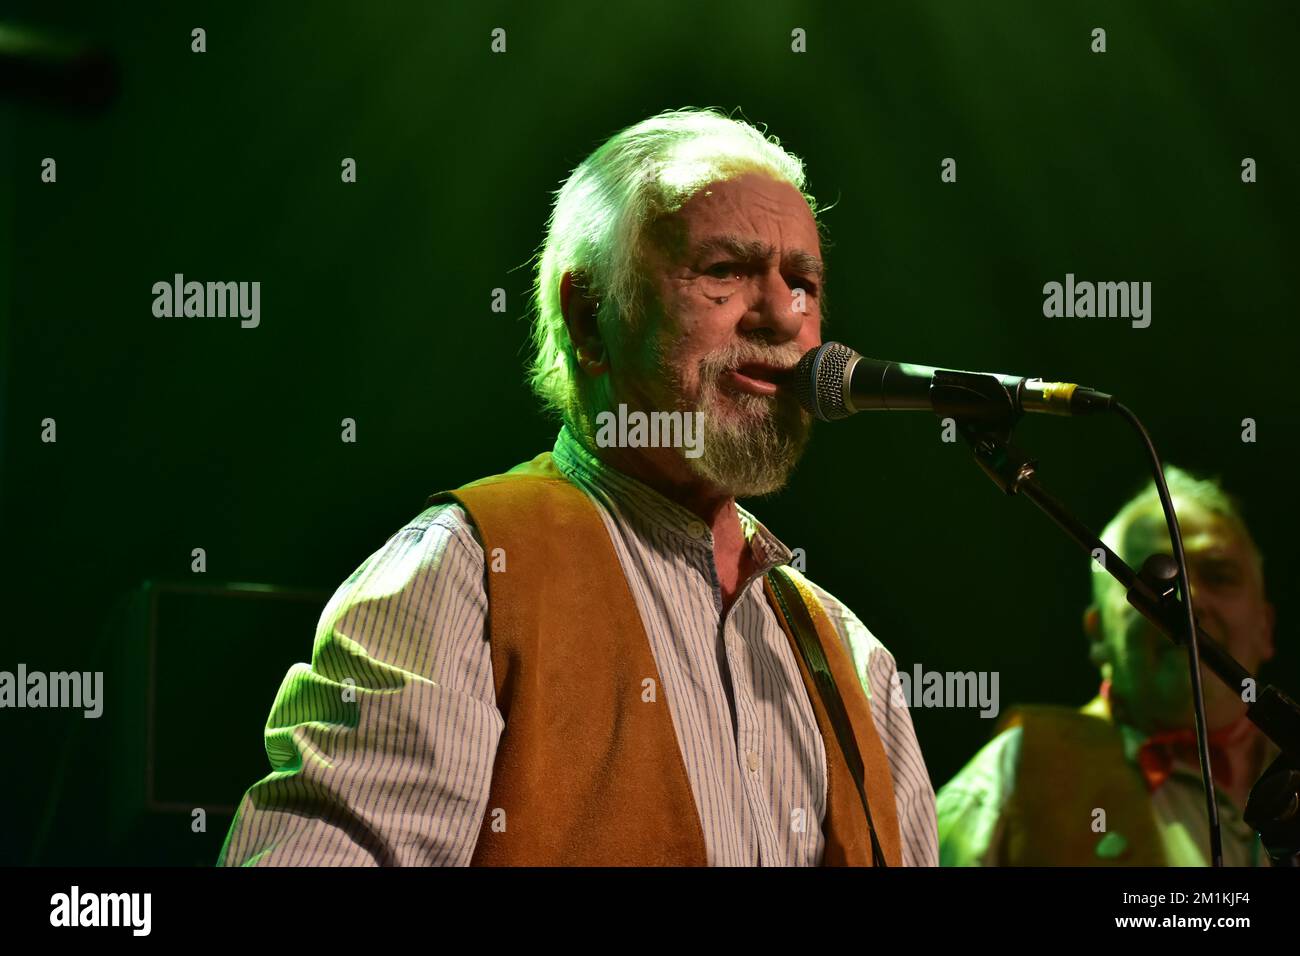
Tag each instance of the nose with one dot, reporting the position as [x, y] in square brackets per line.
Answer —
[773, 312]
[1202, 597]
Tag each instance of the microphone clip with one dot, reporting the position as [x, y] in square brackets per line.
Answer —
[974, 399]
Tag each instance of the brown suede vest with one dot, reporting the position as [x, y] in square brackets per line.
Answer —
[588, 770]
[1072, 764]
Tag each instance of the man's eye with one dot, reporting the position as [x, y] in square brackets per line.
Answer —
[723, 270]
[1221, 577]
[1219, 574]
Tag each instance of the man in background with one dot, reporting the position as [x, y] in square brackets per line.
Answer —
[1118, 782]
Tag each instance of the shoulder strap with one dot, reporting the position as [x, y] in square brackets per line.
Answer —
[801, 625]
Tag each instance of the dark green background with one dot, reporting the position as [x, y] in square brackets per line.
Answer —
[183, 433]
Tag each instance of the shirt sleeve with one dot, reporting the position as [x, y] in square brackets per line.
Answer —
[382, 749]
[913, 791]
[971, 805]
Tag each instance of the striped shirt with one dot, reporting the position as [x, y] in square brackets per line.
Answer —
[382, 750]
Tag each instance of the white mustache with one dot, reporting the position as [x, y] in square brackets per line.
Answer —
[732, 358]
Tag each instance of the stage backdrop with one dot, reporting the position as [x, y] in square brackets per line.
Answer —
[376, 306]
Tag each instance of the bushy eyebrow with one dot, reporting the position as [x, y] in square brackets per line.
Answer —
[755, 250]
[1213, 556]
[805, 262]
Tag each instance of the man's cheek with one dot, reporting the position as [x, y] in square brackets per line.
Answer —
[1140, 636]
[1173, 669]
[1145, 657]
[1244, 638]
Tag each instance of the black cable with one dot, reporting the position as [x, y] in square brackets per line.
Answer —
[1193, 647]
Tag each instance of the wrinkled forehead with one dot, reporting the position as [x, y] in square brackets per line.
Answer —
[750, 207]
[1205, 532]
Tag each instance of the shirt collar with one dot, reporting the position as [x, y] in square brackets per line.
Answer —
[1134, 739]
[650, 510]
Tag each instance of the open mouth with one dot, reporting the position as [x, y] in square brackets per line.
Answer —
[757, 378]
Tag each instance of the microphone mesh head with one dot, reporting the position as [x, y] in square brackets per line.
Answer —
[819, 381]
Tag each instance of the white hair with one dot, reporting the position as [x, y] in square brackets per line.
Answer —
[1208, 493]
[603, 209]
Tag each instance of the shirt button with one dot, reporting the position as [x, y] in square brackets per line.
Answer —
[751, 760]
[696, 530]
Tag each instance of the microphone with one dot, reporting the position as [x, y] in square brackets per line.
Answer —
[834, 382]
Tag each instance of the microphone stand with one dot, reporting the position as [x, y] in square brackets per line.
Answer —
[1273, 809]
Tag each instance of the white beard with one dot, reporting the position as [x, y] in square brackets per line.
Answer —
[751, 447]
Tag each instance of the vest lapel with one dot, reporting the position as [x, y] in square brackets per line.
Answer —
[588, 770]
[848, 840]
[1072, 765]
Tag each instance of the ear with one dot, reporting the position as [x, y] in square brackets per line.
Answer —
[1097, 650]
[1092, 622]
[579, 306]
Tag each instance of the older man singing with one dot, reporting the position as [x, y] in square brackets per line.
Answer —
[598, 657]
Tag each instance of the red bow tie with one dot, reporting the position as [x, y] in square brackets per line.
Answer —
[1157, 755]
